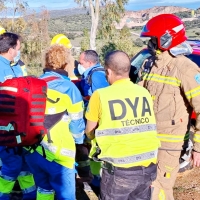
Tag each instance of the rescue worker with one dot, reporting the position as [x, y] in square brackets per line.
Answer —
[173, 80]
[13, 165]
[63, 40]
[16, 60]
[93, 74]
[52, 163]
[122, 127]
[93, 78]
[81, 149]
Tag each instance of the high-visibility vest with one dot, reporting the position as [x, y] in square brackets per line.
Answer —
[126, 134]
[62, 148]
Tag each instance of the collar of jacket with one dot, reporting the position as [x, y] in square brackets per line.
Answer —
[61, 72]
[164, 59]
[89, 69]
[6, 61]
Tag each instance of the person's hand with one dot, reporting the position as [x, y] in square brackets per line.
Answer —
[196, 159]
[87, 141]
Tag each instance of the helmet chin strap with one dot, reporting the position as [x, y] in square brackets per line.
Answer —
[152, 47]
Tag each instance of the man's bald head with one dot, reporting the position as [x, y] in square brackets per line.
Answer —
[118, 62]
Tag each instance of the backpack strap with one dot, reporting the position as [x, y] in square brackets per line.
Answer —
[89, 76]
[48, 79]
[51, 120]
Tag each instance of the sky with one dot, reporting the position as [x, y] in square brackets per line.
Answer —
[132, 5]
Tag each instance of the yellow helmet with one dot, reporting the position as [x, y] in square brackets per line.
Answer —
[61, 39]
[2, 30]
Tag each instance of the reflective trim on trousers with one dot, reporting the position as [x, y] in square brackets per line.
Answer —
[7, 178]
[162, 195]
[44, 191]
[76, 116]
[78, 135]
[126, 130]
[6, 185]
[172, 138]
[24, 173]
[132, 159]
[43, 194]
[28, 190]
[26, 181]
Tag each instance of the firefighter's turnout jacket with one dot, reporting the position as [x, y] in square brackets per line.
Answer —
[174, 83]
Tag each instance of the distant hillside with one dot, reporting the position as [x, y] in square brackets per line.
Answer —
[74, 21]
[139, 18]
[68, 12]
[71, 23]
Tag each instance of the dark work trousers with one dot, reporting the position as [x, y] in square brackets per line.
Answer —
[83, 168]
[127, 183]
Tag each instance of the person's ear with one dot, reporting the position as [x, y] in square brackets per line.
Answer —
[109, 71]
[10, 51]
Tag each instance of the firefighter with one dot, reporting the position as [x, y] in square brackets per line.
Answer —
[52, 163]
[13, 165]
[173, 81]
[122, 127]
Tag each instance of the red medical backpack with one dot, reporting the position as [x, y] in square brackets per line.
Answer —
[22, 111]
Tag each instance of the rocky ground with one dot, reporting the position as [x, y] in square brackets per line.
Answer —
[187, 187]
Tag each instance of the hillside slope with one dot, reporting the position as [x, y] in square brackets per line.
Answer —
[139, 18]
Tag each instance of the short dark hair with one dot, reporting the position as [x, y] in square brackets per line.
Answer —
[7, 41]
[91, 55]
[118, 62]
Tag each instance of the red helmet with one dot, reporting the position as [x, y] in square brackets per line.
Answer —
[167, 28]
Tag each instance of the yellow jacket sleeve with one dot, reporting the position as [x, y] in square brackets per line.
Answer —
[93, 111]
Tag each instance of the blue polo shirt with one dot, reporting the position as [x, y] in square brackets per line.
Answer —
[8, 72]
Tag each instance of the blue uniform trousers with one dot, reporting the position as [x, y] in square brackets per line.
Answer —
[14, 167]
[51, 177]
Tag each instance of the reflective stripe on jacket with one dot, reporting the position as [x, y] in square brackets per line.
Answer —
[126, 133]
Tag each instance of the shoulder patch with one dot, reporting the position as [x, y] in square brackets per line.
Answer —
[197, 78]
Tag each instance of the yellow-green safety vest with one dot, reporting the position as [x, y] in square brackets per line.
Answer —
[126, 133]
[62, 148]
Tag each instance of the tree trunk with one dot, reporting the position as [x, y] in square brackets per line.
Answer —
[95, 20]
